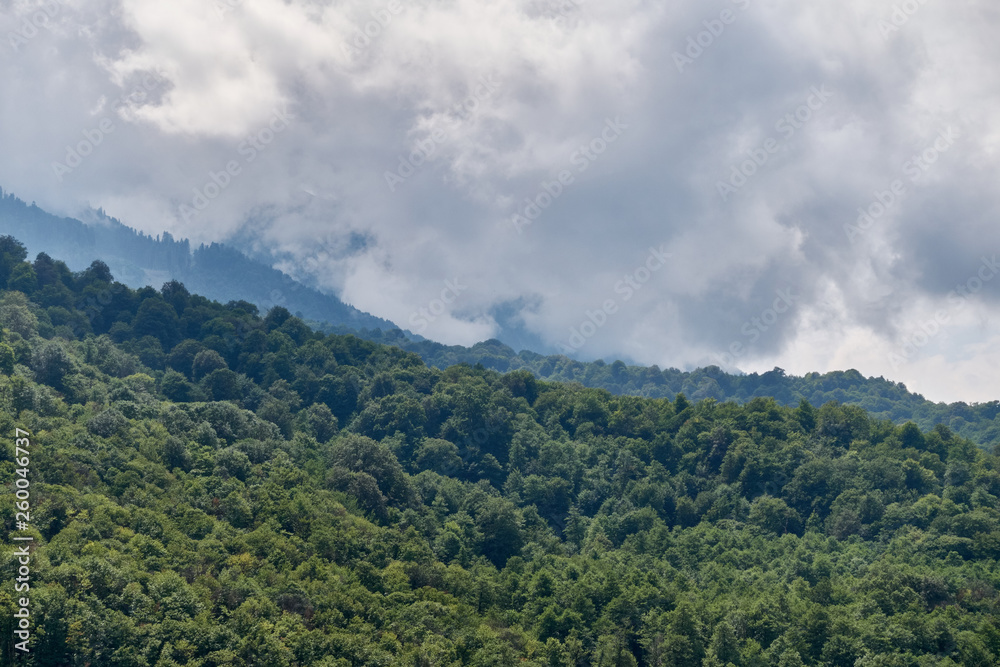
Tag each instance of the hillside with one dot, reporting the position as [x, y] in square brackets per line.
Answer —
[882, 398]
[224, 274]
[217, 271]
[212, 487]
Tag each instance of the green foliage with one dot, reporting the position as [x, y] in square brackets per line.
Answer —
[7, 359]
[206, 362]
[12, 253]
[879, 397]
[261, 494]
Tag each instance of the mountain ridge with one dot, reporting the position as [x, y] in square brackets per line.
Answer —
[211, 487]
[216, 270]
[139, 259]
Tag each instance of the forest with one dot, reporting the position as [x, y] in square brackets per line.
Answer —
[216, 486]
[882, 398]
[223, 273]
[215, 270]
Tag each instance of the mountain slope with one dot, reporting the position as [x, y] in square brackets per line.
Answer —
[225, 274]
[882, 398]
[214, 488]
[216, 271]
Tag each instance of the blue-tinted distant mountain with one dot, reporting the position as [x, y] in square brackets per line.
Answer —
[216, 271]
[510, 328]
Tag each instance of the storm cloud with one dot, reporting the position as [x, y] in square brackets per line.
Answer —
[817, 179]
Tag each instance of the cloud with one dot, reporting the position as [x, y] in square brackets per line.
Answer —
[417, 131]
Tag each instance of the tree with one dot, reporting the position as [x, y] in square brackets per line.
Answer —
[156, 318]
[613, 651]
[276, 317]
[222, 385]
[358, 453]
[724, 648]
[51, 272]
[22, 394]
[237, 511]
[16, 315]
[51, 364]
[440, 456]
[806, 416]
[842, 424]
[910, 436]
[181, 357]
[12, 253]
[318, 421]
[176, 454]
[340, 393]
[497, 520]
[774, 515]
[206, 362]
[22, 278]
[386, 416]
[176, 295]
[107, 423]
[683, 638]
[278, 413]
[522, 383]
[97, 272]
[231, 462]
[6, 359]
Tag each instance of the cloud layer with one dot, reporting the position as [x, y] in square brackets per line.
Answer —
[819, 177]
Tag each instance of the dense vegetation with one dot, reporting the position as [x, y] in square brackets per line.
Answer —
[213, 487]
[224, 274]
[882, 398]
[217, 271]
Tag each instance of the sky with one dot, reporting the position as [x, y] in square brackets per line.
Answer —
[745, 183]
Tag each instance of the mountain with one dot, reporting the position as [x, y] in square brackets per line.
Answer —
[205, 487]
[217, 271]
[884, 399]
[225, 274]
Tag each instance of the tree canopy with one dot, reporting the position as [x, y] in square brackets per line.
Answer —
[216, 487]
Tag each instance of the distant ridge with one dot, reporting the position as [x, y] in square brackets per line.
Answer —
[225, 274]
[136, 259]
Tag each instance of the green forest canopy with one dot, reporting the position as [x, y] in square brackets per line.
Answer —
[881, 398]
[222, 273]
[214, 487]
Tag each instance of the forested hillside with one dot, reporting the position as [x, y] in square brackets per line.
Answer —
[216, 270]
[224, 274]
[882, 398]
[216, 486]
